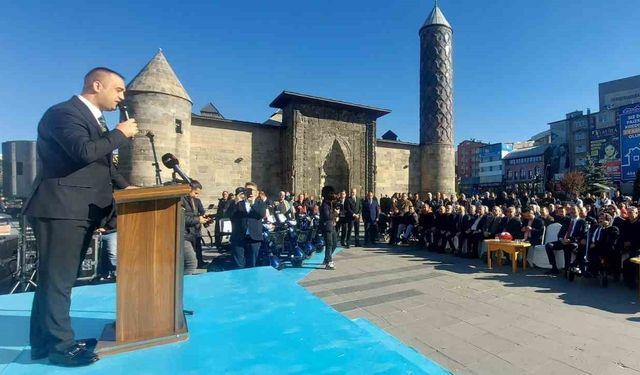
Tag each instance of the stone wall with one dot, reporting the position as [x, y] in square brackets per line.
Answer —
[158, 113]
[397, 167]
[325, 145]
[225, 154]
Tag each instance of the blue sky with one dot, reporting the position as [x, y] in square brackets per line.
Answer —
[518, 64]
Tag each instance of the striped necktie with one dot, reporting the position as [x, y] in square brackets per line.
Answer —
[103, 124]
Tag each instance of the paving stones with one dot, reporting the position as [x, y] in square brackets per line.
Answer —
[473, 320]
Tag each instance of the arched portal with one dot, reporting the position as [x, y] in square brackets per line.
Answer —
[336, 168]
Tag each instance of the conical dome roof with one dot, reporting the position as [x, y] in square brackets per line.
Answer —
[158, 76]
[436, 18]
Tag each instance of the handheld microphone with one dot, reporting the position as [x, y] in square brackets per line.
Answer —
[171, 162]
[124, 111]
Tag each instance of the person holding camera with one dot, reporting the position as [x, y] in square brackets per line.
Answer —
[328, 214]
[194, 219]
[246, 222]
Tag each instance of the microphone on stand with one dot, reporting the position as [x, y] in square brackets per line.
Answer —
[171, 162]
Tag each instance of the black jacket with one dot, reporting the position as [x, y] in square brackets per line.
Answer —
[327, 217]
[537, 226]
[370, 211]
[606, 243]
[192, 224]
[243, 222]
[578, 233]
[514, 227]
[353, 206]
[77, 174]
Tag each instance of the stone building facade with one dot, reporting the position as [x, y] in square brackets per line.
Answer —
[309, 143]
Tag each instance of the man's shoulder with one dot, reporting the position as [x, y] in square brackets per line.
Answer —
[59, 110]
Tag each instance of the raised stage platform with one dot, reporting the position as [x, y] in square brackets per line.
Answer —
[255, 321]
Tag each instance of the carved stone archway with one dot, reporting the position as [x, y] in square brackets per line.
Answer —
[335, 169]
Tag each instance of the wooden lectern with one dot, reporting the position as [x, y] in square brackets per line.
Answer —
[150, 270]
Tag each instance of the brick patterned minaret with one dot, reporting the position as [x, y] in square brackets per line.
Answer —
[158, 101]
[436, 105]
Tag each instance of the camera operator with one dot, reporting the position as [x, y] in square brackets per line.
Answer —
[223, 204]
[328, 214]
[246, 221]
[194, 218]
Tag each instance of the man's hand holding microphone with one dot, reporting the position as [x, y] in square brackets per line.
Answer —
[128, 127]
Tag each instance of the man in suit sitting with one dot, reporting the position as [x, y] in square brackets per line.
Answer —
[602, 247]
[72, 194]
[512, 224]
[532, 227]
[569, 238]
[246, 223]
[370, 215]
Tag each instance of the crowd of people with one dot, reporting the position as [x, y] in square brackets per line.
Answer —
[457, 224]
[343, 219]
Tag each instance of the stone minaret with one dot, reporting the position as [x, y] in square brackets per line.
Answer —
[436, 105]
[158, 102]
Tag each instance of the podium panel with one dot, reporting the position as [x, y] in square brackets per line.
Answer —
[150, 270]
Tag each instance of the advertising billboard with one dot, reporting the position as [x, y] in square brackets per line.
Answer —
[605, 149]
[630, 141]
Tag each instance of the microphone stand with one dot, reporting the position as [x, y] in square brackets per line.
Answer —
[155, 159]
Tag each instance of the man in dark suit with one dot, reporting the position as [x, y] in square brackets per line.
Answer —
[246, 223]
[476, 232]
[223, 203]
[512, 224]
[72, 195]
[193, 219]
[603, 251]
[532, 227]
[353, 207]
[570, 236]
[343, 219]
[370, 214]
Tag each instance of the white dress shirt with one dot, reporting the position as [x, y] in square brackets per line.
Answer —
[95, 111]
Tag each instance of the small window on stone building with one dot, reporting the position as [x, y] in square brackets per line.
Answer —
[178, 126]
[19, 168]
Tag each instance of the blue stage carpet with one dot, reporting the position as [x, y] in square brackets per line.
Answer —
[255, 321]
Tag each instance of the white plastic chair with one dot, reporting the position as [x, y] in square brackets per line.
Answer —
[538, 255]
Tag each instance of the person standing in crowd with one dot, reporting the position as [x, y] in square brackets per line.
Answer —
[283, 206]
[354, 208]
[246, 224]
[265, 199]
[223, 204]
[342, 217]
[370, 216]
[312, 205]
[328, 215]
[300, 207]
[72, 195]
[194, 219]
[109, 244]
